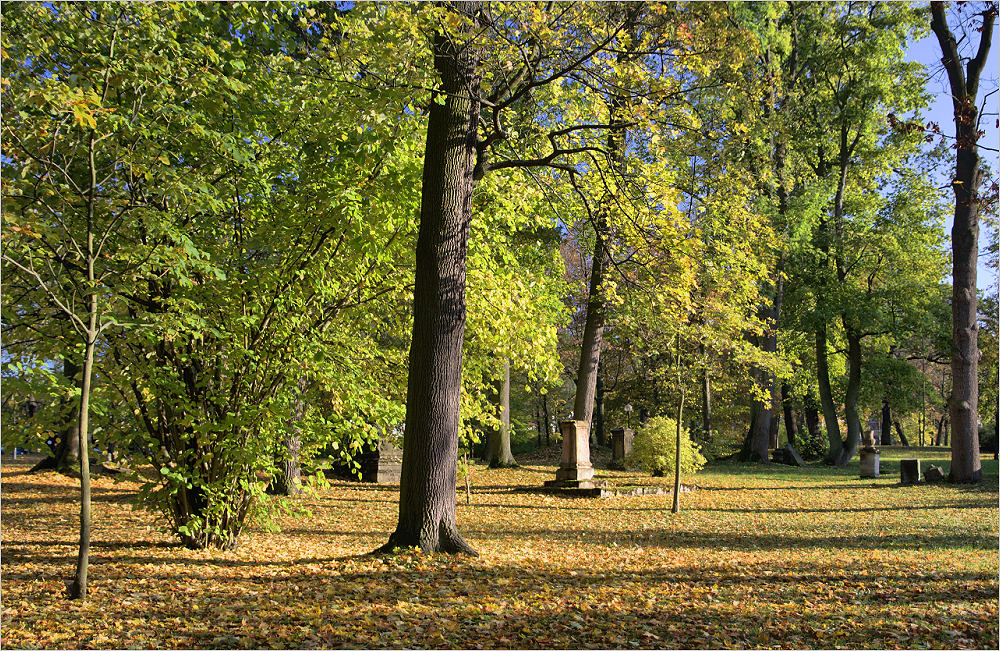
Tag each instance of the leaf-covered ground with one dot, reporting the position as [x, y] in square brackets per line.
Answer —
[759, 557]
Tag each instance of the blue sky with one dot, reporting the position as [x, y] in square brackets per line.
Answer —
[928, 52]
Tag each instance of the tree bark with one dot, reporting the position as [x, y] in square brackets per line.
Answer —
[812, 419]
[65, 456]
[289, 479]
[538, 426]
[593, 329]
[676, 506]
[826, 398]
[430, 442]
[706, 400]
[853, 441]
[548, 422]
[886, 427]
[593, 332]
[901, 435]
[966, 466]
[499, 439]
[599, 408]
[786, 404]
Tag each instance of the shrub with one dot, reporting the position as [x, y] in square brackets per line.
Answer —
[653, 448]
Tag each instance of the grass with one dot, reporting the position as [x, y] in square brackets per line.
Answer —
[774, 557]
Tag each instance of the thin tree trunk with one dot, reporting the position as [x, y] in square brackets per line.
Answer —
[812, 419]
[938, 437]
[65, 455]
[786, 403]
[548, 423]
[901, 435]
[289, 480]
[78, 589]
[676, 506]
[499, 439]
[853, 441]
[599, 407]
[964, 404]
[706, 398]
[885, 429]
[430, 442]
[538, 425]
[826, 398]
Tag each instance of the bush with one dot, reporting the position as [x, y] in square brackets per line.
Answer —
[653, 448]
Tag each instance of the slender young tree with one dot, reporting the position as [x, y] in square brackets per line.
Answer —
[498, 453]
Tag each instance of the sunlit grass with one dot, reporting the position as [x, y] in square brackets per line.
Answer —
[758, 557]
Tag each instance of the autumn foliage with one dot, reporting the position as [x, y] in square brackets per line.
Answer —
[759, 557]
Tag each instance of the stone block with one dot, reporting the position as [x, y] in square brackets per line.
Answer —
[383, 465]
[792, 456]
[621, 446]
[933, 474]
[909, 471]
[869, 463]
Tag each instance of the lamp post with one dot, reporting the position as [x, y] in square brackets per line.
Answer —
[628, 412]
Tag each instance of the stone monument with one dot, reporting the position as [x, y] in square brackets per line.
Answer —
[869, 457]
[621, 446]
[909, 471]
[382, 465]
[575, 469]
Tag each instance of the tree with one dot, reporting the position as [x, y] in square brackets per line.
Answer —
[965, 462]
[471, 44]
[66, 145]
[854, 55]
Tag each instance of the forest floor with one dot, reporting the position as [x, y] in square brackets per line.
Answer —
[773, 557]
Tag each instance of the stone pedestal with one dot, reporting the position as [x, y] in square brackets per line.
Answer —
[869, 463]
[575, 469]
[621, 446]
[909, 471]
[382, 465]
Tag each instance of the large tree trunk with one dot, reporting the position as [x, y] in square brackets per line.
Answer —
[763, 425]
[964, 403]
[430, 442]
[763, 420]
[853, 441]
[593, 332]
[826, 398]
[65, 455]
[499, 439]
